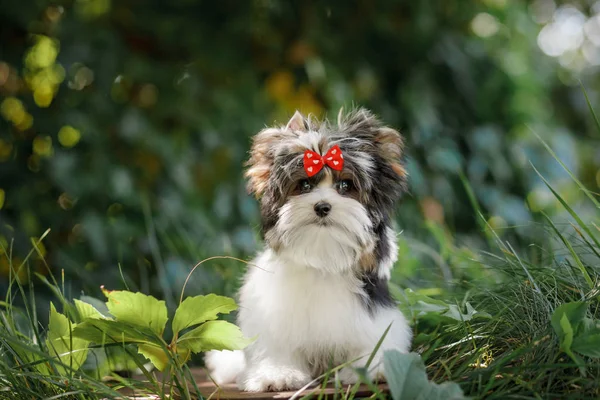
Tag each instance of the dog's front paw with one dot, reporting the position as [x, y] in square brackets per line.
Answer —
[273, 379]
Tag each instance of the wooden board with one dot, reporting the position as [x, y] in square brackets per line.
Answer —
[230, 391]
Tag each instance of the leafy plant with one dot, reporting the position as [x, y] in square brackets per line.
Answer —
[418, 306]
[576, 332]
[72, 351]
[140, 320]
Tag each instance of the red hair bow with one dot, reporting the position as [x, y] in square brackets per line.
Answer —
[314, 162]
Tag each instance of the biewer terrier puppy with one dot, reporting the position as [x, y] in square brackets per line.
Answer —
[317, 296]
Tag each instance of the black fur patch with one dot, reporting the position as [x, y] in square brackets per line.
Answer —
[382, 247]
[377, 292]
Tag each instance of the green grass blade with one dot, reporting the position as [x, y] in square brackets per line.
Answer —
[568, 245]
[377, 346]
[475, 205]
[577, 181]
[569, 209]
[587, 242]
[587, 100]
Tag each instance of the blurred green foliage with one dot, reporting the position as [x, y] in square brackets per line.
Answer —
[124, 124]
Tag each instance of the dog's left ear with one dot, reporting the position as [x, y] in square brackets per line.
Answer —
[391, 147]
[389, 142]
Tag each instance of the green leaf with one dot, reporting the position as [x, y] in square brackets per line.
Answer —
[199, 309]
[456, 314]
[567, 333]
[587, 345]
[156, 354]
[415, 305]
[214, 335]
[575, 313]
[86, 310]
[103, 331]
[137, 309]
[589, 325]
[407, 379]
[159, 357]
[70, 350]
[97, 304]
[58, 325]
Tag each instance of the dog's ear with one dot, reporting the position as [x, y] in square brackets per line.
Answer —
[389, 142]
[262, 152]
[391, 147]
[296, 123]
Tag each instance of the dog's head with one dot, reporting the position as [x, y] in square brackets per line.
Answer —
[334, 220]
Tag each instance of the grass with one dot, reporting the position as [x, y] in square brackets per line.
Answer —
[515, 354]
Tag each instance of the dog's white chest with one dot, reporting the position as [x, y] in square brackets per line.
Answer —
[301, 307]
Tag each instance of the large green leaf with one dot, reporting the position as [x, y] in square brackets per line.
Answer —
[196, 310]
[587, 345]
[214, 335]
[159, 357]
[137, 309]
[103, 331]
[97, 304]
[567, 334]
[574, 312]
[86, 310]
[156, 354]
[407, 379]
[58, 324]
[61, 343]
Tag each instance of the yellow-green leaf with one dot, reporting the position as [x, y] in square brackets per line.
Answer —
[86, 310]
[102, 331]
[70, 350]
[214, 335]
[137, 309]
[58, 325]
[156, 354]
[198, 309]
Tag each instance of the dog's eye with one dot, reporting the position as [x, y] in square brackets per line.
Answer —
[304, 186]
[344, 186]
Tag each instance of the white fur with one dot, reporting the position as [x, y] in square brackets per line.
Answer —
[225, 366]
[335, 248]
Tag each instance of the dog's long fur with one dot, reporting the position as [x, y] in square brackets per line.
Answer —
[319, 296]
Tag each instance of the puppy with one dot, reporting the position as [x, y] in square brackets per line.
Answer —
[317, 296]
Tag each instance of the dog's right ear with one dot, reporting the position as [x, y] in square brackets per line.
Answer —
[263, 151]
[296, 123]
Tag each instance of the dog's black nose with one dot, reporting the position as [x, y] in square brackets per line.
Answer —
[322, 208]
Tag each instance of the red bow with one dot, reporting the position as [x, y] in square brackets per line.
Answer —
[314, 162]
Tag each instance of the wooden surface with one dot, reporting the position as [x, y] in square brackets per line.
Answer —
[230, 391]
